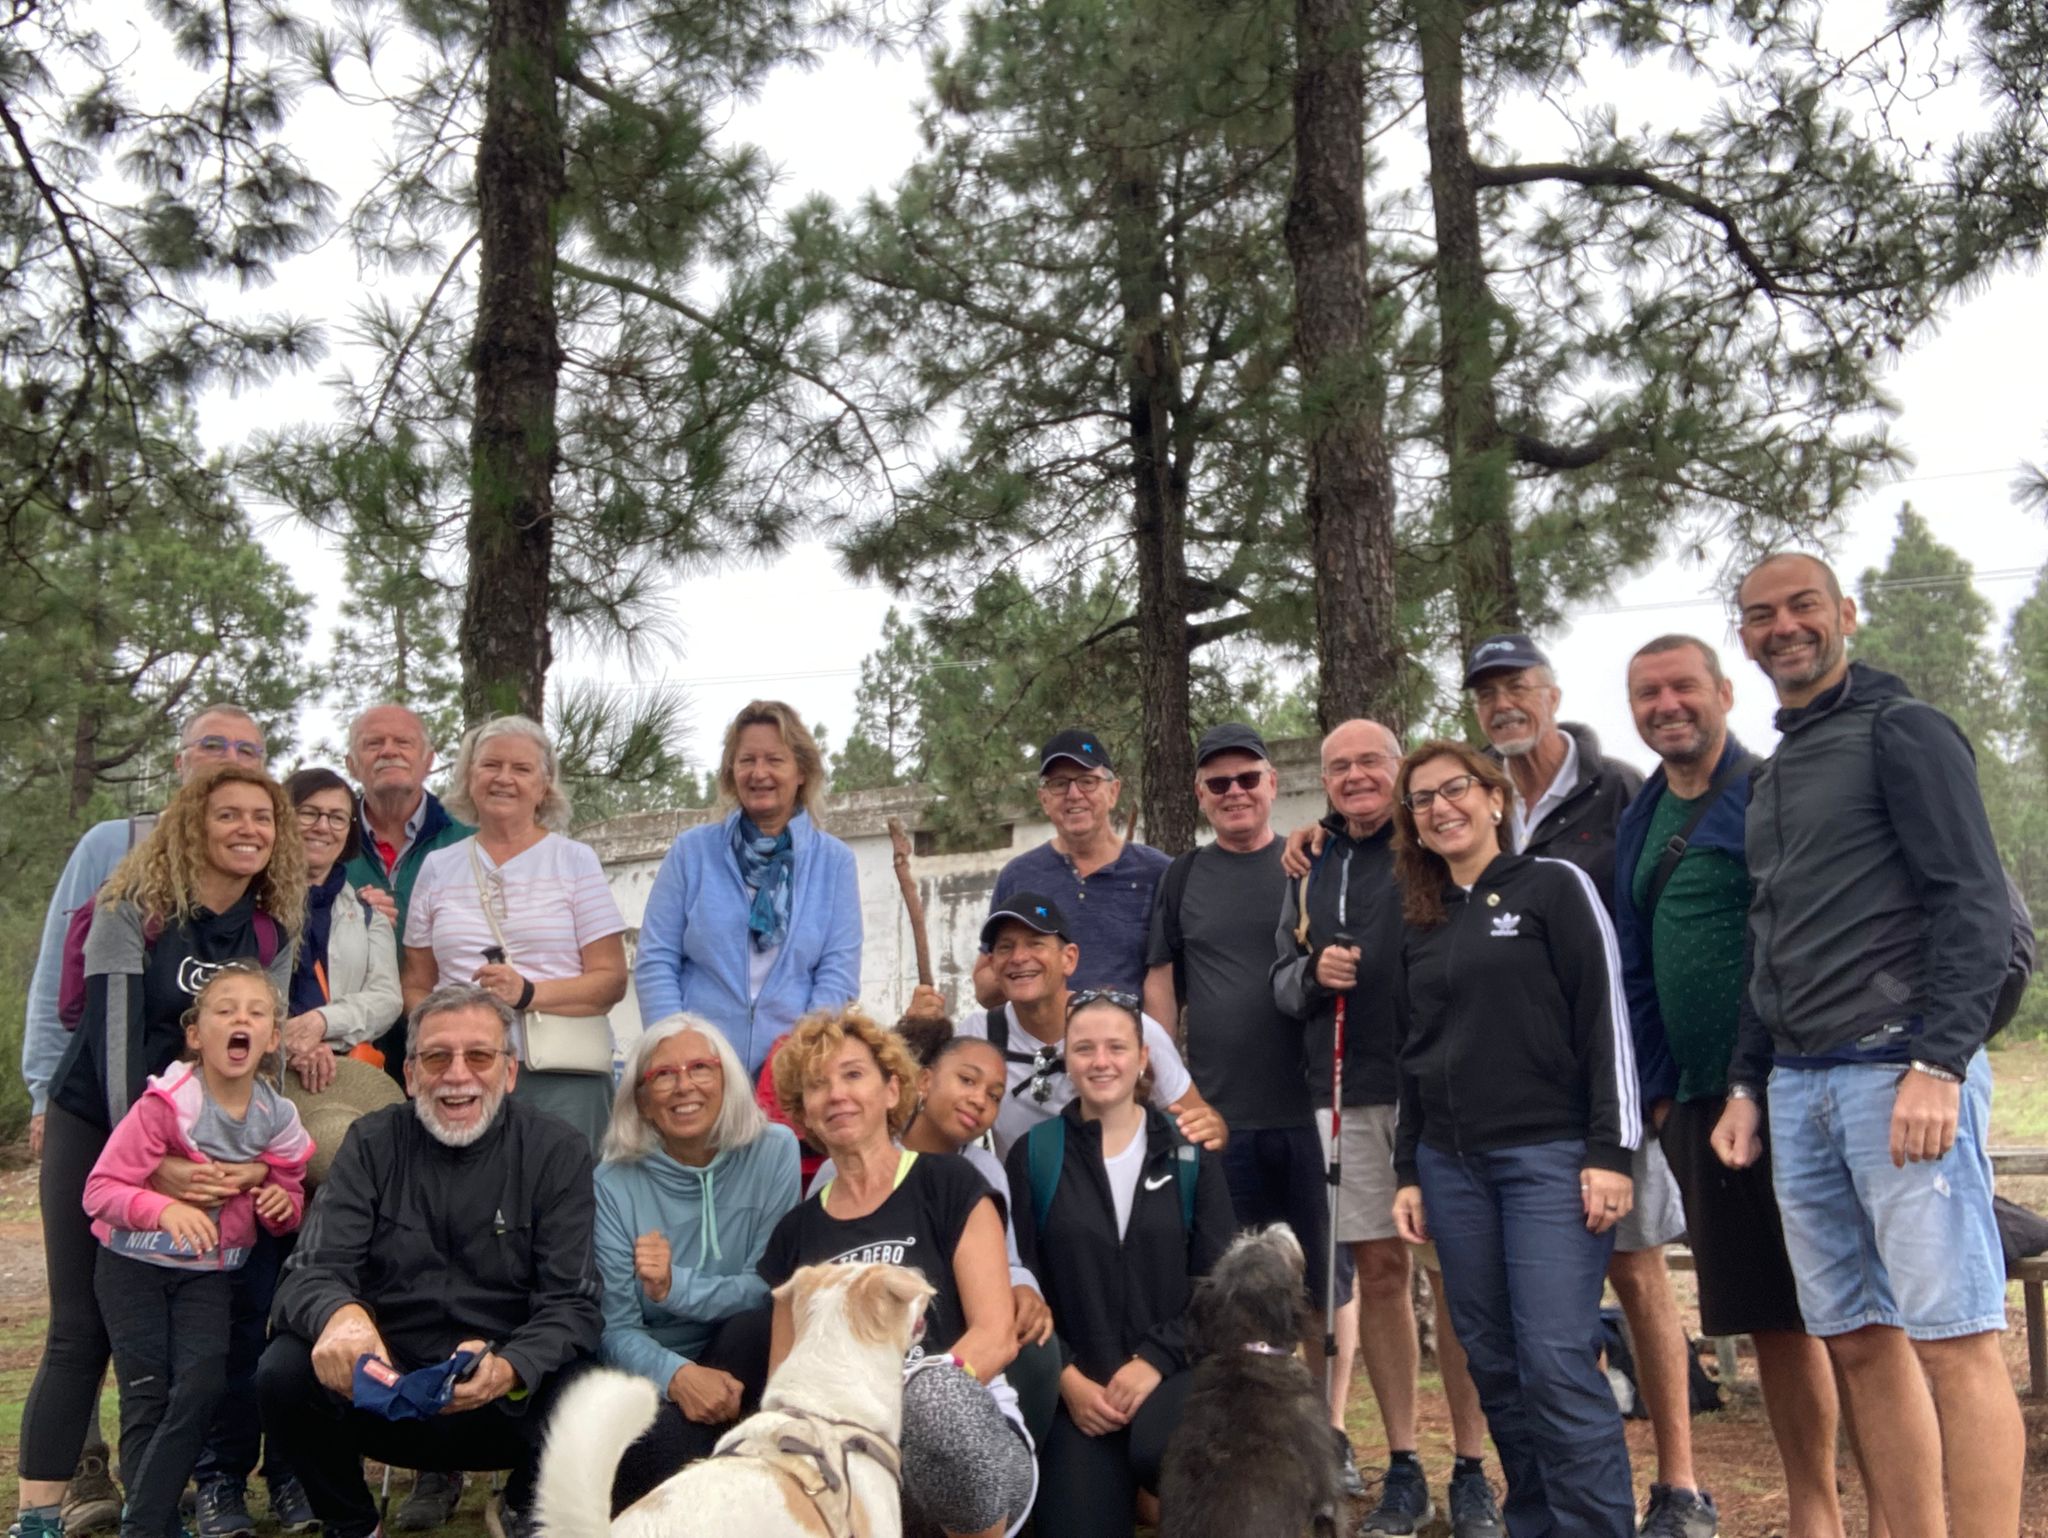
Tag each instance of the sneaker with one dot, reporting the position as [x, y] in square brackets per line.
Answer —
[1404, 1501]
[1680, 1514]
[33, 1524]
[1474, 1512]
[91, 1501]
[502, 1521]
[433, 1501]
[224, 1509]
[289, 1506]
[1348, 1478]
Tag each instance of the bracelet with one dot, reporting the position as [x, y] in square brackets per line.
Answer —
[965, 1366]
[1743, 1092]
[525, 993]
[1935, 1071]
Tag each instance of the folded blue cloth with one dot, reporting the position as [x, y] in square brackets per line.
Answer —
[410, 1396]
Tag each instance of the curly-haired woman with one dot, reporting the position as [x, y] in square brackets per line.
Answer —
[212, 883]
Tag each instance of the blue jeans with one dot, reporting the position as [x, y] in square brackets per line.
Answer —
[1914, 1248]
[1523, 1278]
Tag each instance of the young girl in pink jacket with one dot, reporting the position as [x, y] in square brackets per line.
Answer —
[163, 1276]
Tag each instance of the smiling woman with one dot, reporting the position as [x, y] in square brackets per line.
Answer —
[526, 913]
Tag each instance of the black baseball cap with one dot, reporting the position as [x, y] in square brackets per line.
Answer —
[1501, 653]
[1081, 745]
[1229, 737]
[1028, 909]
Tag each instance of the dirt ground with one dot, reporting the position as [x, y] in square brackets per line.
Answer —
[1732, 1448]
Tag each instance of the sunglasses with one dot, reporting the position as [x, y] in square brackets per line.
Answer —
[1116, 996]
[436, 1061]
[1045, 1063]
[1219, 784]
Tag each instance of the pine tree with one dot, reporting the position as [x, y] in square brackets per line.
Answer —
[1922, 618]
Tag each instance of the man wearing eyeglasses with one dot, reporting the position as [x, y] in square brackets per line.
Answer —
[1568, 805]
[453, 1238]
[1101, 880]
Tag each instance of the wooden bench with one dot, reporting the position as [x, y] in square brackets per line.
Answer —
[2031, 1274]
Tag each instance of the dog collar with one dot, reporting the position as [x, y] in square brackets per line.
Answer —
[1263, 1349]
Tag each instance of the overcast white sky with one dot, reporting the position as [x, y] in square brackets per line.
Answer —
[1970, 411]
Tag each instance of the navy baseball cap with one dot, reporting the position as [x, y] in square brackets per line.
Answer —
[1503, 653]
[1081, 745]
[418, 1395]
[1230, 737]
[1029, 909]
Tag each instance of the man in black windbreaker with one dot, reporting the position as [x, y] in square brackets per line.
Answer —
[1879, 937]
[459, 1223]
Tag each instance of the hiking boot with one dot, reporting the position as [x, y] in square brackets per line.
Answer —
[432, 1502]
[91, 1501]
[502, 1521]
[33, 1524]
[1680, 1514]
[289, 1506]
[224, 1509]
[1349, 1480]
[1474, 1512]
[1404, 1501]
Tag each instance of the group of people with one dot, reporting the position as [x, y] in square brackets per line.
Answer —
[1580, 1016]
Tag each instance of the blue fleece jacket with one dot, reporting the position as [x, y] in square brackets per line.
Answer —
[694, 946]
[1720, 829]
[717, 1221]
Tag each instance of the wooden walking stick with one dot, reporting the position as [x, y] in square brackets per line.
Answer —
[900, 839]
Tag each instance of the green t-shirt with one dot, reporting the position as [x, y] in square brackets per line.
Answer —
[1696, 950]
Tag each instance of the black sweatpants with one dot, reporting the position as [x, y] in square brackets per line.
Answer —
[323, 1438]
[64, 1398]
[167, 1326]
[1088, 1486]
[235, 1443]
[741, 1348]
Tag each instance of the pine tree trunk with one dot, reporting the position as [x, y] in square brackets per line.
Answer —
[516, 355]
[1480, 490]
[1158, 511]
[1350, 497]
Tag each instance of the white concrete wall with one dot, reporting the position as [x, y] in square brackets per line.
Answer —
[955, 887]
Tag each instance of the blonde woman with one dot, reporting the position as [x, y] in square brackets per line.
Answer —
[526, 913]
[212, 883]
[755, 920]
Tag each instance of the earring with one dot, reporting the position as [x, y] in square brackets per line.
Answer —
[1496, 817]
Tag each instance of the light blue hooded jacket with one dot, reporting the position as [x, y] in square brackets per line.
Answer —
[717, 1221]
[694, 946]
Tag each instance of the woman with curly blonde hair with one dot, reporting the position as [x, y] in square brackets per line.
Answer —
[216, 881]
[850, 1086]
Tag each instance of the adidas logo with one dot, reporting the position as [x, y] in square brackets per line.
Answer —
[1506, 925]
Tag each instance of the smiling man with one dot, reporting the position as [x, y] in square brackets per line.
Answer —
[1880, 933]
[460, 1223]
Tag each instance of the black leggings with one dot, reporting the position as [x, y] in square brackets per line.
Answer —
[167, 1325]
[64, 1398]
[1088, 1486]
[741, 1348]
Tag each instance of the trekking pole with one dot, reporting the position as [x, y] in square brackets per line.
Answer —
[1336, 1177]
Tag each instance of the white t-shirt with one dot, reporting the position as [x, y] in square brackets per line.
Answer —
[1561, 785]
[1024, 1108]
[555, 902]
[1124, 1171]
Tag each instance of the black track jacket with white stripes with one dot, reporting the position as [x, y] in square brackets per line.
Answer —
[1514, 1022]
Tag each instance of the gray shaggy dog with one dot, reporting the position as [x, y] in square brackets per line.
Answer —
[1253, 1456]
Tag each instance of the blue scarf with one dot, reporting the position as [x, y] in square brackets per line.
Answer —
[308, 991]
[765, 865]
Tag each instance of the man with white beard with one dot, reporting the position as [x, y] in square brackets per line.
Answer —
[462, 1224]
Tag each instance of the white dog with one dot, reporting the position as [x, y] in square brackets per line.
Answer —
[819, 1460]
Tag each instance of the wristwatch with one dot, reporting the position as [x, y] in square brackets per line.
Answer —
[1935, 1071]
[1743, 1092]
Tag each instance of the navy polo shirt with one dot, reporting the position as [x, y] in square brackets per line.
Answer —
[1109, 911]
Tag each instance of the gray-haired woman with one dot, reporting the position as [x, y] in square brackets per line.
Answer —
[693, 1181]
[527, 913]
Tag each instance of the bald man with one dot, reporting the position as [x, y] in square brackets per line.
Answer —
[1351, 889]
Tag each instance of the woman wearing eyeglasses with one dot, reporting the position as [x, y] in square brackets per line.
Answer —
[1518, 1117]
[1117, 1214]
[694, 1179]
[525, 912]
[345, 981]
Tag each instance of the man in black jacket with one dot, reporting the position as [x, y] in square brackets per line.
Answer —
[1568, 805]
[461, 1222]
[1879, 937]
[1351, 890]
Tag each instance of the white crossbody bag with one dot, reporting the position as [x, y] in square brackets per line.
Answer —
[554, 1043]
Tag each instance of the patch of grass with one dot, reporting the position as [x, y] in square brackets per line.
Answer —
[2019, 1096]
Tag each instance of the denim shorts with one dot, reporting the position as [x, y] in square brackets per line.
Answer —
[1914, 1248]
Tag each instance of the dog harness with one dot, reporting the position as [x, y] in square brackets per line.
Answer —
[815, 1452]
